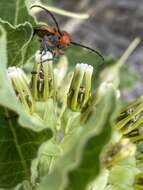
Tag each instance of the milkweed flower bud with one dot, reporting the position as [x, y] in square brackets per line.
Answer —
[40, 57]
[89, 108]
[118, 152]
[80, 87]
[138, 184]
[129, 121]
[42, 81]
[20, 84]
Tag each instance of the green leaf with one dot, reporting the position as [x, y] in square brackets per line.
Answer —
[14, 12]
[18, 147]
[14, 16]
[17, 43]
[81, 163]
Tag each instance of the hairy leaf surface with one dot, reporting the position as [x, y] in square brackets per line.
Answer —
[14, 12]
[81, 164]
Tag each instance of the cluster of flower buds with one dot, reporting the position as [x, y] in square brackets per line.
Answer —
[20, 84]
[79, 91]
[43, 86]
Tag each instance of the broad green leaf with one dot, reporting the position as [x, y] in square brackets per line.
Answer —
[81, 163]
[14, 16]
[17, 43]
[18, 147]
[14, 12]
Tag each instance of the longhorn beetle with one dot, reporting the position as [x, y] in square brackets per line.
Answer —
[53, 39]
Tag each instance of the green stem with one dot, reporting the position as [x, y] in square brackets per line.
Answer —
[66, 13]
[16, 12]
[129, 51]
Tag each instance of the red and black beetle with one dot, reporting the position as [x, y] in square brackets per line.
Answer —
[55, 40]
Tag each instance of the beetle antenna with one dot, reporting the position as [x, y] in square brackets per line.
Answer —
[48, 12]
[98, 53]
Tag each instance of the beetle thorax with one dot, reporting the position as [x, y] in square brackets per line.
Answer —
[65, 39]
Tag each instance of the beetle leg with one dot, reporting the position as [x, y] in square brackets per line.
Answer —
[43, 46]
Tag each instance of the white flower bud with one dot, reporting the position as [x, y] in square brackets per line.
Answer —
[80, 87]
[44, 56]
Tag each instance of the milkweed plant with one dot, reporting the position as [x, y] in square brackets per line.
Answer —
[60, 129]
